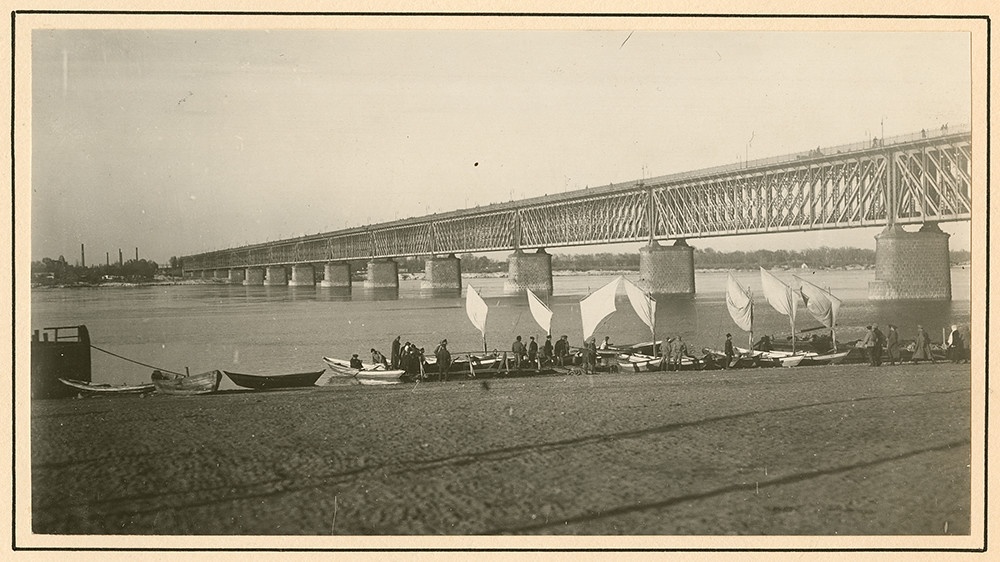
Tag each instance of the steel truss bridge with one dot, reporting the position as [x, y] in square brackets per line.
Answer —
[911, 179]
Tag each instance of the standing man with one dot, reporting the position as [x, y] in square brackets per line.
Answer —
[547, 350]
[956, 349]
[729, 351]
[868, 342]
[590, 356]
[532, 351]
[892, 345]
[518, 351]
[443, 357]
[394, 353]
[677, 351]
[562, 350]
[879, 342]
[922, 351]
[665, 351]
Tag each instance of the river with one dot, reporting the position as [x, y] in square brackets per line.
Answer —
[290, 329]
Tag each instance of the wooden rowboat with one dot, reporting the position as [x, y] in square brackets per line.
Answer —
[96, 389]
[342, 368]
[202, 383]
[265, 382]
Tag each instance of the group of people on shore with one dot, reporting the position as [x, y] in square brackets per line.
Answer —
[878, 346]
[874, 342]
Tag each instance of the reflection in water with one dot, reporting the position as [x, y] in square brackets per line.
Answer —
[379, 294]
[439, 293]
[333, 293]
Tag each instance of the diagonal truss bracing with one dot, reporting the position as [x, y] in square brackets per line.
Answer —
[913, 181]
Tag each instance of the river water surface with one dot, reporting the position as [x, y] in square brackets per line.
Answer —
[290, 329]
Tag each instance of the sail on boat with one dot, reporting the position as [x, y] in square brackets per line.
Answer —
[781, 297]
[597, 306]
[476, 309]
[643, 304]
[822, 304]
[541, 313]
[739, 301]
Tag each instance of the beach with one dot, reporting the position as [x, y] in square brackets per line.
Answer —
[832, 450]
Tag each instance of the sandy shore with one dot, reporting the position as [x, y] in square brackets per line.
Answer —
[846, 450]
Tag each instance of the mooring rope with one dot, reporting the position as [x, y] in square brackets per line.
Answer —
[137, 362]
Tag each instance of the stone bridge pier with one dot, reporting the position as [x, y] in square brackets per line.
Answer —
[336, 275]
[529, 271]
[303, 275]
[254, 276]
[443, 272]
[911, 265]
[276, 275]
[667, 270]
[382, 274]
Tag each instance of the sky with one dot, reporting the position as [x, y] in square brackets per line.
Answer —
[185, 141]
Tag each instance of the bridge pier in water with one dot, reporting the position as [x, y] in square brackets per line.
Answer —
[382, 274]
[254, 276]
[276, 275]
[336, 275]
[444, 272]
[237, 275]
[303, 275]
[911, 265]
[529, 271]
[667, 270]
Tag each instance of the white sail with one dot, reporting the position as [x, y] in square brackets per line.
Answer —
[542, 313]
[779, 295]
[642, 303]
[597, 306]
[822, 304]
[740, 304]
[476, 308]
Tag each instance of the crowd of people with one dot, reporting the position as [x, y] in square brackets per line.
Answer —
[879, 347]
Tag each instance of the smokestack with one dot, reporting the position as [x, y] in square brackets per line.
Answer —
[83, 257]
[107, 256]
[136, 253]
[120, 261]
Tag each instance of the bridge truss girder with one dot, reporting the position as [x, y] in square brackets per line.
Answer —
[913, 182]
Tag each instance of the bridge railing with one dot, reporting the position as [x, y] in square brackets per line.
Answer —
[823, 151]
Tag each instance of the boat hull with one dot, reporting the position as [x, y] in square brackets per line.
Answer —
[202, 383]
[341, 368]
[266, 382]
[94, 389]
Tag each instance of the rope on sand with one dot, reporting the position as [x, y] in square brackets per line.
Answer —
[137, 362]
